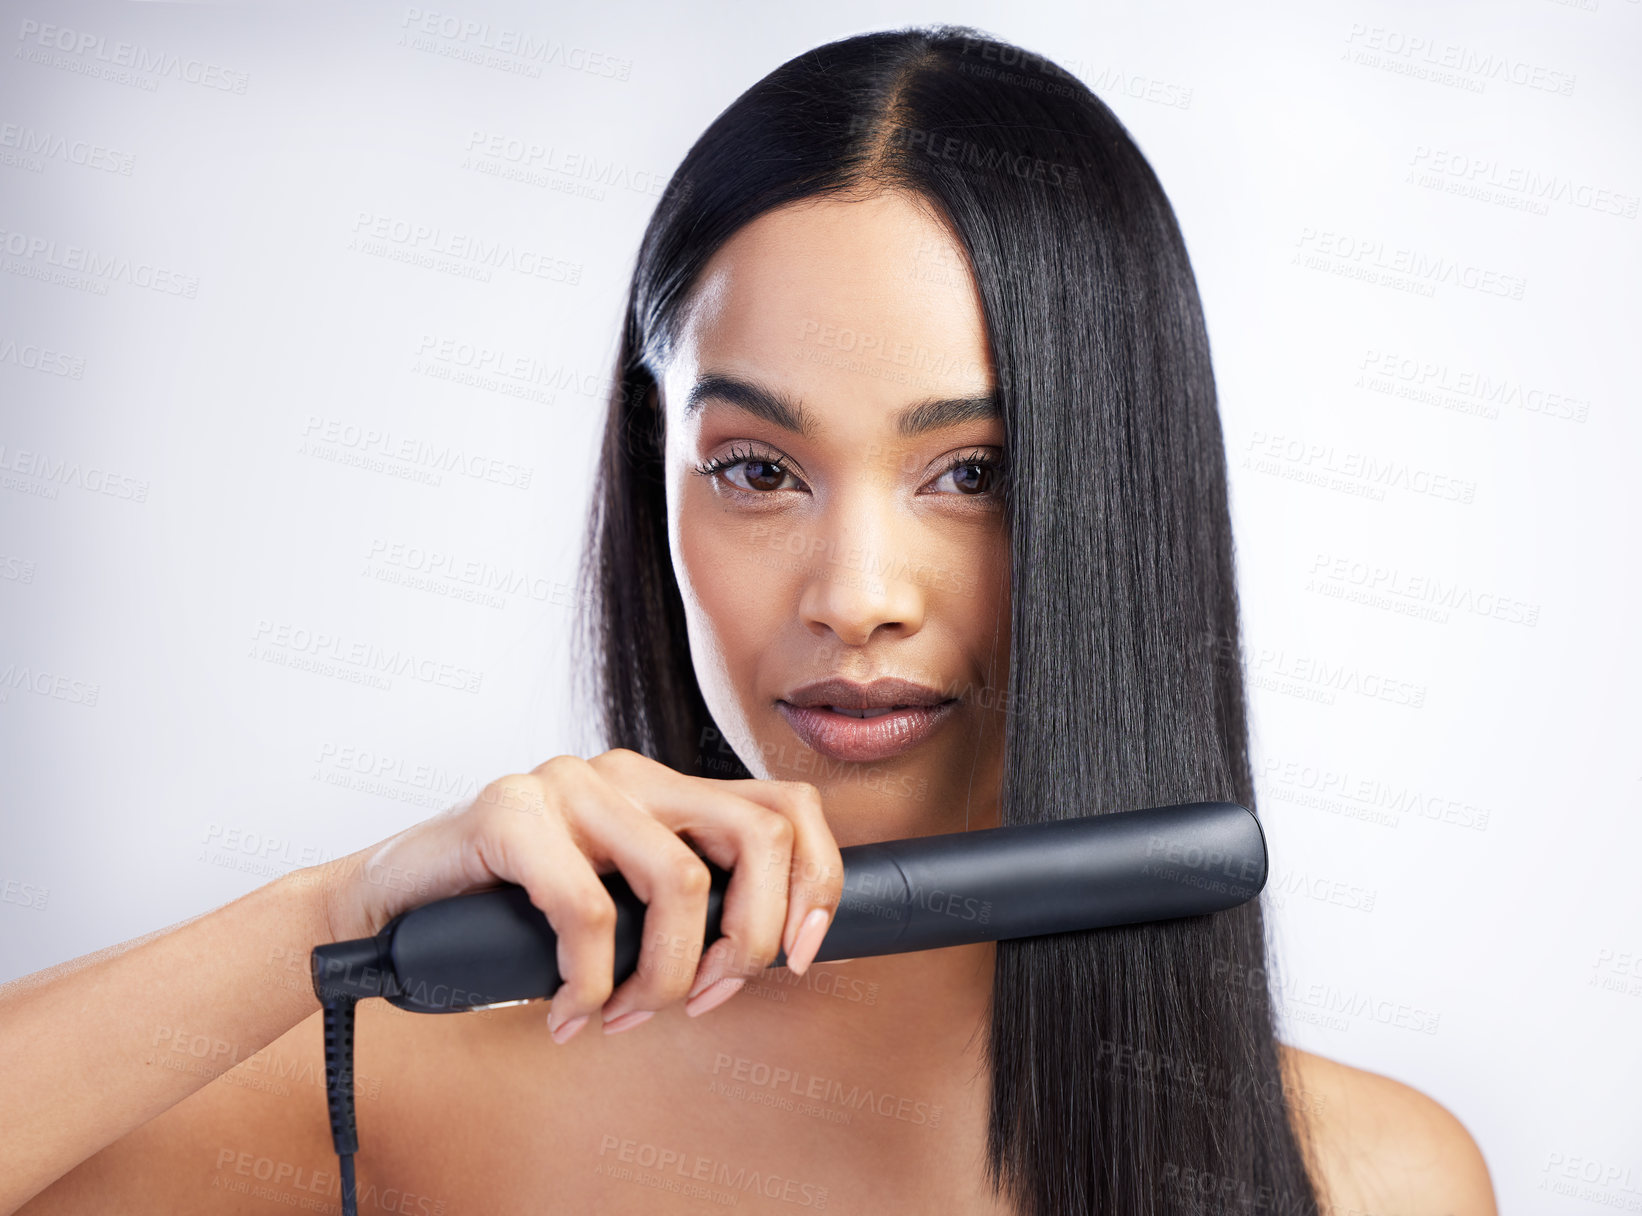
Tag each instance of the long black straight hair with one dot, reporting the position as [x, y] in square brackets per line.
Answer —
[1134, 1069]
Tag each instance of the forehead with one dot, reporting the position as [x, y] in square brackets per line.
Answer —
[869, 300]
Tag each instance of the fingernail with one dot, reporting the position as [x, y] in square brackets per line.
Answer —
[713, 997]
[628, 1020]
[713, 966]
[808, 941]
[569, 1028]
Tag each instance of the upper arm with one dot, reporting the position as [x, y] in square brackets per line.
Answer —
[1385, 1148]
[255, 1135]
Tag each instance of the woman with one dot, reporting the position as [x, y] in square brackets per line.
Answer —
[911, 518]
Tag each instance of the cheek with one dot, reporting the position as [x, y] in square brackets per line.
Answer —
[730, 582]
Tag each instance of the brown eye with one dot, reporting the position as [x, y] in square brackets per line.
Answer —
[972, 478]
[749, 471]
[763, 474]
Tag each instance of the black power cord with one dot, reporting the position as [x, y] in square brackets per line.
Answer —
[344, 974]
[339, 1093]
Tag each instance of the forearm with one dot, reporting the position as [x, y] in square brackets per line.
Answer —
[96, 1048]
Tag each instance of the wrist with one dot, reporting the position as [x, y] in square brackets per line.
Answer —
[317, 888]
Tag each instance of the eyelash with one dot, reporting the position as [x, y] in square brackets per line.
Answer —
[737, 455]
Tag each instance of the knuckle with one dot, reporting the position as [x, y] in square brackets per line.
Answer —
[820, 882]
[804, 795]
[777, 832]
[511, 793]
[591, 909]
[688, 875]
[758, 948]
[774, 836]
[618, 760]
[561, 769]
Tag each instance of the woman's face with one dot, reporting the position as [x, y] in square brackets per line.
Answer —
[834, 512]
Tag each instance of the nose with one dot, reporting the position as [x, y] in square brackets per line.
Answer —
[859, 585]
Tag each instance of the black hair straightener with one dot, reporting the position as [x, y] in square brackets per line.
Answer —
[494, 947]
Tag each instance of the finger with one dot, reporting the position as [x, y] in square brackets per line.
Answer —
[533, 846]
[815, 881]
[615, 832]
[737, 833]
[816, 865]
[810, 877]
[753, 912]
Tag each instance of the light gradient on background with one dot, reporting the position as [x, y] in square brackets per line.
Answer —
[306, 318]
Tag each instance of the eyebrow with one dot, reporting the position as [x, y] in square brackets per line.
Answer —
[778, 409]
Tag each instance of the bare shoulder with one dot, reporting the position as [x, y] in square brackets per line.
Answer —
[1384, 1148]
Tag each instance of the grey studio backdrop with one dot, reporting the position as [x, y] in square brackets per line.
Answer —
[307, 316]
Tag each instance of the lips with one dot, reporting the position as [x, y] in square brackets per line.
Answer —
[865, 722]
[886, 692]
